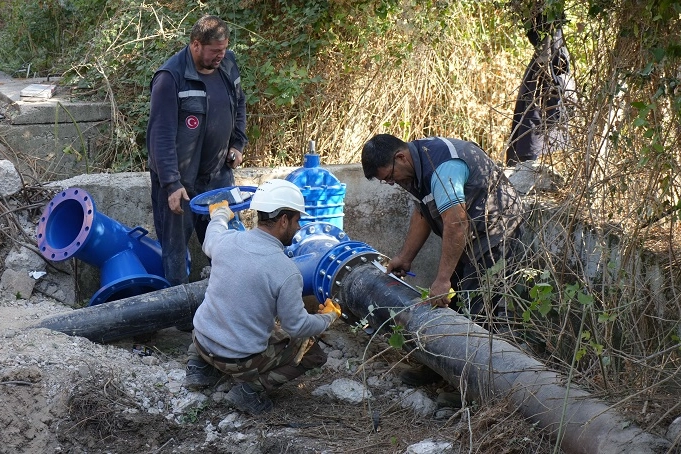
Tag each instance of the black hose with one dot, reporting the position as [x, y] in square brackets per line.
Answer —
[133, 316]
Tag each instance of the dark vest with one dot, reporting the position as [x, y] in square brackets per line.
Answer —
[493, 205]
[193, 107]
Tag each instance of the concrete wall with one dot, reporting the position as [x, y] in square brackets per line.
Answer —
[607, 261]
[41, 135]
[52, 148]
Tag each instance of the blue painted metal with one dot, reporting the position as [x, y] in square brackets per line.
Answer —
[200, 203]
[130, 261]
[324, 254]
[322, 191]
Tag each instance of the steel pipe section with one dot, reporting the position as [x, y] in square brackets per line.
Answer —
[486, 366]
[129, 261]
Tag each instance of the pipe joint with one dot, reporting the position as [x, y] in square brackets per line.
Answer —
[130, 262]
[324, 254]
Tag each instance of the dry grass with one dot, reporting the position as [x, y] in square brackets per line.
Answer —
[96, 403]
[460, 82]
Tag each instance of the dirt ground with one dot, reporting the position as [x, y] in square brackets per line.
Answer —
[63, 394]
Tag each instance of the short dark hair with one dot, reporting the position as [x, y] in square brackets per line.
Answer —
[264, 218]
[209, 29]
[379, 151]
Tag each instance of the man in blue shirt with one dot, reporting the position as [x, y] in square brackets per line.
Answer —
[464, 197]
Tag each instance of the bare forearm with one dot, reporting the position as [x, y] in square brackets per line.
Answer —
[453, 244]
[417, 234]
[454, 236]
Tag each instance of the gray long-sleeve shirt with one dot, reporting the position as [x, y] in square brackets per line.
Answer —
[252, 281]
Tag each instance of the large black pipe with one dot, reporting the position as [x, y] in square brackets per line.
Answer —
[132, 316]
[486, 366]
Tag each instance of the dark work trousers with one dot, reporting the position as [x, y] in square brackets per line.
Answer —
[174, 231]
[470, 282]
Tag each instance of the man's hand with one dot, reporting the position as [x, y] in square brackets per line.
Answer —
[175, 200]
[220, 208]
[329, 307]
[441, 293]
[234, 158]
[398, 266]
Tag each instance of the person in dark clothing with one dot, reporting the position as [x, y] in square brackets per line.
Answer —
[195, 137]
[462, 196]
[546, 96]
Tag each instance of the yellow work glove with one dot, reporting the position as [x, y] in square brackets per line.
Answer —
[220, 208]
[329, 307]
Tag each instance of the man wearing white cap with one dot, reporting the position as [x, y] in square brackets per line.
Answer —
[252, 283]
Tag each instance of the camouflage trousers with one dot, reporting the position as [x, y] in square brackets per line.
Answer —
[282, 361]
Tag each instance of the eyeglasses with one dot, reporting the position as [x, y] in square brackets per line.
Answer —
[389, 179]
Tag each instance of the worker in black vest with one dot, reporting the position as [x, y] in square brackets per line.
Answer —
[464, 197]
[195, 137]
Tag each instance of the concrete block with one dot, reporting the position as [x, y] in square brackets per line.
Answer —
[533, 175]
[55, 111]
[10, 88]
[17, 283]
[10, 181]
[55, 152]
[124, 197]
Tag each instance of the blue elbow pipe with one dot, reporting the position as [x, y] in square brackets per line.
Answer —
[129, 261]
[324, 254]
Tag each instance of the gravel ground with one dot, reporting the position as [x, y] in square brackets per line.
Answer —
[69, 395]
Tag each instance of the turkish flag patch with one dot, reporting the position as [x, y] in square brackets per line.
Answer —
[192, 122]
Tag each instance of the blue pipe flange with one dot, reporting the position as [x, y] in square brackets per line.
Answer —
[65, 224]
[315, 237]
[337, 263]
[124, 275]
[130, 262]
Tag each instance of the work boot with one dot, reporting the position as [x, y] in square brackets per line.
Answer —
[244, 398]
[419, 376]
[199, 374]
